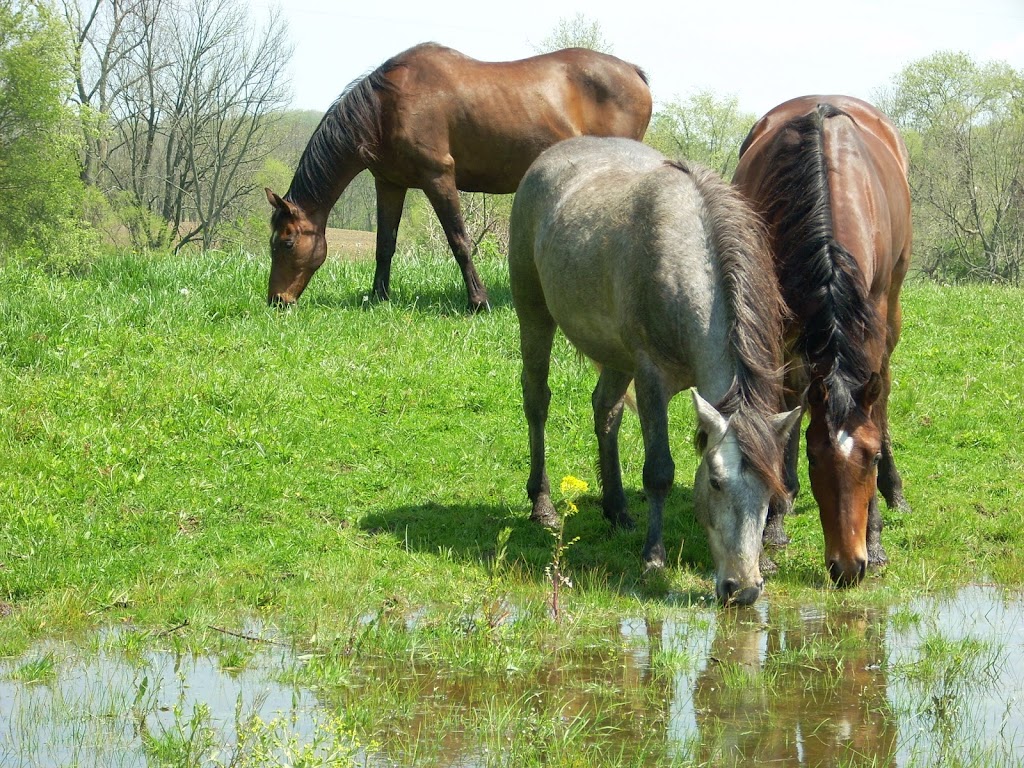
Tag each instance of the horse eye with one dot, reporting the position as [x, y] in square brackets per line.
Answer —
[877, 458]
[715, 483]
[288, 243]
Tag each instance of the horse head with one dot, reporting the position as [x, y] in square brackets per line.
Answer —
[298, 246]
[842, 456]
[731, 496]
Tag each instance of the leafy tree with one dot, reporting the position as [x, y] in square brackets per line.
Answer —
[704, 128]
[964, 125]
[576, 32]
[39, 170]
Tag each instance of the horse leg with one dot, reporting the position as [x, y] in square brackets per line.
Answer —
[444, 197]
[608, 401]
[889, 482]
[659, 470]
[774, 532]
[876, 552]
[390, 201]
[536, 333]
[774, 536]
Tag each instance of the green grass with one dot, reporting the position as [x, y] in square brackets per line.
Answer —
[348, 478]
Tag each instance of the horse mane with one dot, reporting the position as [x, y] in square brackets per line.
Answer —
[820, 280]
[756, 311]
[350, 126]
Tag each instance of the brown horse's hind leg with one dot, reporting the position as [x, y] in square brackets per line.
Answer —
[876, 552]
[445, 198]
[608, 401]
[890, 484]
[774, 536]
[536, 333]
[390, 201]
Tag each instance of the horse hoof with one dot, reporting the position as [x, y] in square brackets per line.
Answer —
[900, 505]
[546, 515]
[775, 537]
[620, 519]
[877, 557]
[478, 307]
[768, 566]
[655, 559]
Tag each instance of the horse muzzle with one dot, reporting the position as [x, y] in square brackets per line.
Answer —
[729, 592]
[280, 300]
[849, 573]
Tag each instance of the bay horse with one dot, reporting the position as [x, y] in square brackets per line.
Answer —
[829, 175]
[431, 118]
[658, 272]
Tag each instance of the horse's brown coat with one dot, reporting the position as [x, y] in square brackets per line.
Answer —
[829, 173]
[433, 119]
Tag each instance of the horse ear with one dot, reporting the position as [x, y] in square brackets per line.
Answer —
[711, 421]
[277, 202]
[784, 423]
[817, 394]
[870, 392]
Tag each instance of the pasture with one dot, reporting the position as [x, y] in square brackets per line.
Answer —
[348, 478]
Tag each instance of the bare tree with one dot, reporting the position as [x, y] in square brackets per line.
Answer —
[964, 124]
[186, 92]
[105, 37]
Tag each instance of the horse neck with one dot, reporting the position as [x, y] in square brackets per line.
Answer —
[715, 376]
[317, 194]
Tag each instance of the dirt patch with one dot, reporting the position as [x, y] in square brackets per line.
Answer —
[350, 243]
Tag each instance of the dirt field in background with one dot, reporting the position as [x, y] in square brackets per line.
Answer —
[350, 243]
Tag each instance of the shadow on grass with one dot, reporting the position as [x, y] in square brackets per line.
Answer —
[601, 555]
[446, 302]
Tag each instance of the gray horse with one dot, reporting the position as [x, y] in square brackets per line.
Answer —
[659, 273]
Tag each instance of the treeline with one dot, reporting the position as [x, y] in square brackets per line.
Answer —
[155, 124]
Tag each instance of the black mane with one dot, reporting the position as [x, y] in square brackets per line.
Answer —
[820, 280]
[351, 126]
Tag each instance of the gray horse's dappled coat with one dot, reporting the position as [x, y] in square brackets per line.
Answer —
[658, 272]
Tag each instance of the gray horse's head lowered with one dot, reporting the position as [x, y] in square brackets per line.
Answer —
[731, 499]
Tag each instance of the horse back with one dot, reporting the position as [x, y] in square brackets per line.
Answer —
[487, 121]
[607, 239]
[867, 165]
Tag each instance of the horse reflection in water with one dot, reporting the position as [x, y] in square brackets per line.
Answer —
[659, 273]
[806, 693]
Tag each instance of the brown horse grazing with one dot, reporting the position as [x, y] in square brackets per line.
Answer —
[829, 174]
[433, 119]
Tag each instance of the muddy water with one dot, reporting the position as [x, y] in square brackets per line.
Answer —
[939, 681]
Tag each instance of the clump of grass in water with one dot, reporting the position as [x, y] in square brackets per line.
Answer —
[41, 670]
[571, 488]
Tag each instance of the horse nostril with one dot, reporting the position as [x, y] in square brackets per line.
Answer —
[727, 589]
[277, 300]
[847, 578]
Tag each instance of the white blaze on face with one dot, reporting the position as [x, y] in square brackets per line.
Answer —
[735, 538]
[844, 441]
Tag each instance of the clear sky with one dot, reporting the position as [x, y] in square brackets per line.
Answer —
[763, 52]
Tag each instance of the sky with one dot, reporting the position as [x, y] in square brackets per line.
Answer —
[762, 52]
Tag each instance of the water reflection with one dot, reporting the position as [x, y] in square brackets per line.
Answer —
[938, 681]
[800, 689]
